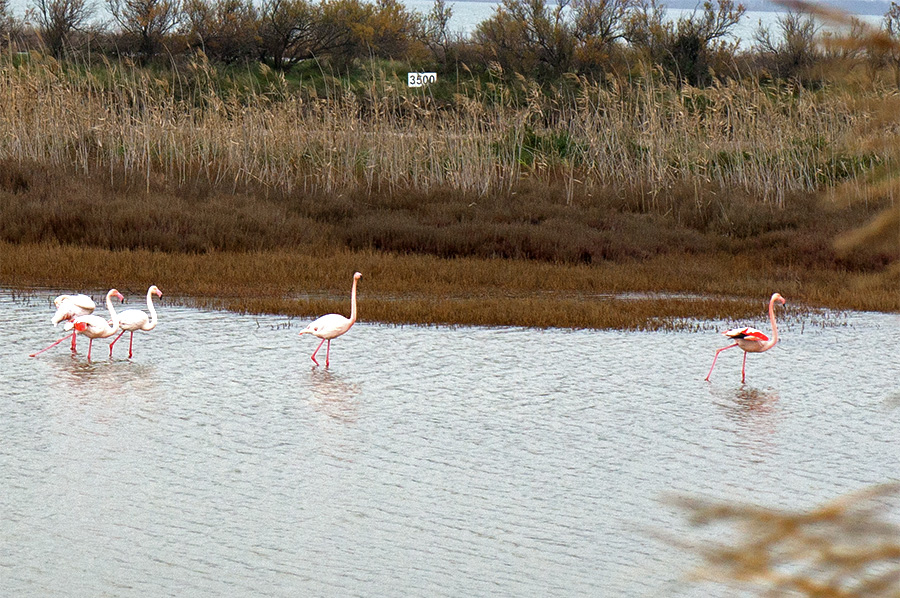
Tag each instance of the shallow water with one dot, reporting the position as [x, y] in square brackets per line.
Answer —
[426, 461]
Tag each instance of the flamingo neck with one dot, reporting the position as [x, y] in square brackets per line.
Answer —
[152, 311]
[112, 312]
[353, 303]
[774, 338]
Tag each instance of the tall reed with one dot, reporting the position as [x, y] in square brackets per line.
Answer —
[764, 141]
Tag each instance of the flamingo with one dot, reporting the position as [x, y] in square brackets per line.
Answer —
[69, 307]
[72, 306]
[135, 319]
[96, 327]
[751, 340]
[332, 326]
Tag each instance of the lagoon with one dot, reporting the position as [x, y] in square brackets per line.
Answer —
[439, 461]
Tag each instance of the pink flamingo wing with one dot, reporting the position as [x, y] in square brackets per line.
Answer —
[89, 324]
[748, 333]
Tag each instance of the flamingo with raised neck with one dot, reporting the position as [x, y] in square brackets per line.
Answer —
[331, 326]
[93, 326]
[751, 340]
[131, 320]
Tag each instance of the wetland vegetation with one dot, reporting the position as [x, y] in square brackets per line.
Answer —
[520, 189]
[611, 170]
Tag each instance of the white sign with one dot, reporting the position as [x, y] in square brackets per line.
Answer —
[420, 79]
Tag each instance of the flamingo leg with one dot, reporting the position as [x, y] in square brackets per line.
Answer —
[327, 352]
[54, 344]
[313, 357]
[130, 343]
[114, 342]
[90, 345]
[717, 356]
[744, 368]
[73, 342]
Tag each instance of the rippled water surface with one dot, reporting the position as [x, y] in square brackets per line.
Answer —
[426, 461]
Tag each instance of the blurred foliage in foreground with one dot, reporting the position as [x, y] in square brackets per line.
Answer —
[845, 548]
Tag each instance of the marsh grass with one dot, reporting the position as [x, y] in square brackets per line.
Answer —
[512, 203]
[535, 222]
[650, 294]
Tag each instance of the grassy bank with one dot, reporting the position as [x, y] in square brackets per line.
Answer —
[509, 204]
[530, 257]
[426, 289]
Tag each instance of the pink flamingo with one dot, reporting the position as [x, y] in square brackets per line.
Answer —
[332, 325]
[96, 327]
[72, 306]
[751, 340]
[69, 307]
[135, 319]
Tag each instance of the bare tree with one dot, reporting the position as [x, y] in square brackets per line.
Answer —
[199, 22]
[285, 29]
[683, 47]
[600, 20]
[794, 51]
[58, 19]
[437, 33]
[345, 31]
[597, 26]
[225, 30]
[529, 35]
[148, 21]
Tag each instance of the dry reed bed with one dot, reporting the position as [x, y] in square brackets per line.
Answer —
[765, 141]
[428, 290]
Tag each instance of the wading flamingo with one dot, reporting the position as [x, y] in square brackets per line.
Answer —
[69, 307]
[72, 306]
[96, 327]
[332, 325]
[135, 319]
[751, 340]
